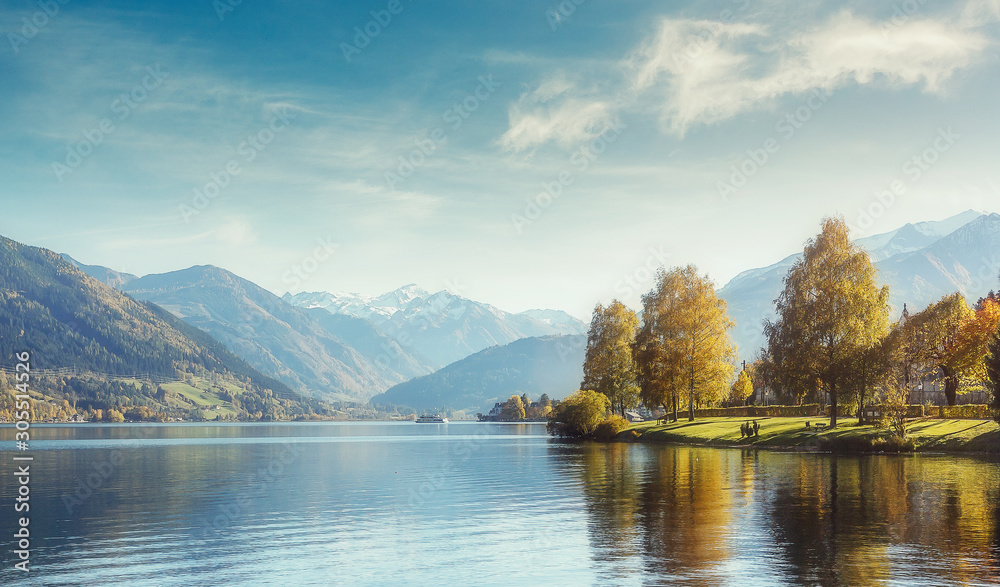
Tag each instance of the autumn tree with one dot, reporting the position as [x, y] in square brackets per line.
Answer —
[831, 309]
[579, 414]
[992, 363]
[935, 337]
[974, 338]
[540, 409]
[871, 369]
[513, 409]
[659, 383]
[684, 347]
[742, 388]
[609, 366]
[902, 349]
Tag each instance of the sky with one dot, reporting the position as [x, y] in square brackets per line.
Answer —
[527, 154]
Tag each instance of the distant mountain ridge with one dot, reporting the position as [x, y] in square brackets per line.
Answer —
[551, 364]
[920, 262]
[443, 327]
[108, 277]
[307, 349]
[334, 346]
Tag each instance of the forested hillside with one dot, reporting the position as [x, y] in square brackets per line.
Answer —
[66, 319]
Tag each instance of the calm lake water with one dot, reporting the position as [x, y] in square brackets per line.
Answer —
[484, 504]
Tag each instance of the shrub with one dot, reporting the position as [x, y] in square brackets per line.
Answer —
[579, 414]
[610, 427]
[851, 444]
[893, 410]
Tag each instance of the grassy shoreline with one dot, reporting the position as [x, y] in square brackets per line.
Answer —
[790, 433]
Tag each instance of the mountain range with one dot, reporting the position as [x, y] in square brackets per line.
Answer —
[315, 353]
[334, 346]
[418, 348]
[444, 327]
[551, 364]
[86, 338]
[920, 262]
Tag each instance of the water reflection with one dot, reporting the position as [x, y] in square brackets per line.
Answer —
[485, 504]
[704, 516]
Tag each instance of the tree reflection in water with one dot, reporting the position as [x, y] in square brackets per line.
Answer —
[692, 515]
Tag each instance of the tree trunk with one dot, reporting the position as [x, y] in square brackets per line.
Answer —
[950, 386]
[691, 402]
[861, 404]
[674, 397]
[833, 406]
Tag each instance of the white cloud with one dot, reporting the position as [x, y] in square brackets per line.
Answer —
[553, 112]
[700, 72]
[732, 69]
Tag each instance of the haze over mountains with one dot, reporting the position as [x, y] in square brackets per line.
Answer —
[920, 262]
[550, 364]
[445, 327]
[305, 349]
[335, 346]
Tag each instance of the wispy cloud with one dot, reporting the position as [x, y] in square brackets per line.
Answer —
[555, 111]
[703, 72]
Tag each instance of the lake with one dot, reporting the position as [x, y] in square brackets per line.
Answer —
[483, 504]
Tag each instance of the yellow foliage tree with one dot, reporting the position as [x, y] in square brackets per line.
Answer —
[742, 388]
[579, 414]
[513, 409]
[936, 340]
[830, 311]
[609, 366]
[684, 347]
[974, 337]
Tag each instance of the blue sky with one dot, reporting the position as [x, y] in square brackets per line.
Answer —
[527, 154]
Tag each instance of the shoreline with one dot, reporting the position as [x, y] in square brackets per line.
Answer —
[789, 434]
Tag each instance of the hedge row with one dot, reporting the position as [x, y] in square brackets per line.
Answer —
[967, 412]
[757, 411]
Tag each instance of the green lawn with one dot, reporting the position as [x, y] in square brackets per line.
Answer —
[927, 434]
[200, 398]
